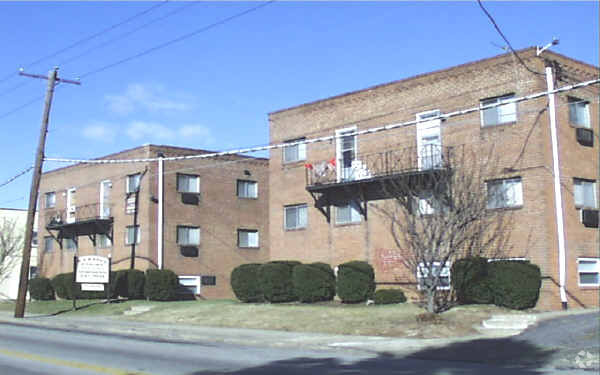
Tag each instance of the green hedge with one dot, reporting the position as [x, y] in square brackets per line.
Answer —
[245, 283]
[40, 289]
[355, 281]
[313, 282]
[388, 296]
[275, 279]
[512, 284]
[64, 288]
[128, 283]
[161, 285]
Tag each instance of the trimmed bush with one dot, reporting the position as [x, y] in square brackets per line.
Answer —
[275, 279]
[245, 283]
[469, 281]
[389, 296]
[40, 289]
[516, 284]
[313, 282]
[161, 285]
[63, 285]
[355, 281]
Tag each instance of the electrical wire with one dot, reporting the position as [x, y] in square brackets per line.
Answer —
[16, 176]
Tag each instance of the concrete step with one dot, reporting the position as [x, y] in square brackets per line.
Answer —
[506, 325]
[138, 310]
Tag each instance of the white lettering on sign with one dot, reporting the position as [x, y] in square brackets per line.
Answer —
[92, 269]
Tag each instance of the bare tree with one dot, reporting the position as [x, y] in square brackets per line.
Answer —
[11, 245]
[441, 214]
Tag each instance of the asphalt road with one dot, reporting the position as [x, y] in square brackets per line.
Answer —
[31, 350]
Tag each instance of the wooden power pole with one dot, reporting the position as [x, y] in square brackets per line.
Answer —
[35, 185]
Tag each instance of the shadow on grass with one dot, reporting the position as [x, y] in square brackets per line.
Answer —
[483, 356]
[82, 307]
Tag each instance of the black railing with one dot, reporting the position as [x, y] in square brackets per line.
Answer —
[353, 167]
[74, 214]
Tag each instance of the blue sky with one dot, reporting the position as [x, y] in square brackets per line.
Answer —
[215, 89]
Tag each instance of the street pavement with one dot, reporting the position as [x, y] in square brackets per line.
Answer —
[561, 342]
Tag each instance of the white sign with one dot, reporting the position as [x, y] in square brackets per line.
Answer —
[92, 269]
[92, 287]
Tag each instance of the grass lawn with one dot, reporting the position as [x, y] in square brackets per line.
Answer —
[386, 320]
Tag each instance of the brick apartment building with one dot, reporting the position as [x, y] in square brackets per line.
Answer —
[214, 212]
[328, 213]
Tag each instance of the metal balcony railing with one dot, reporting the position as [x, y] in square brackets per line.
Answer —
[74, 214]
[353, 167]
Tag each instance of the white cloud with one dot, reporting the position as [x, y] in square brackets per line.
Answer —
[140, 97]
[99, 132]
[141, 130]
[192, 135]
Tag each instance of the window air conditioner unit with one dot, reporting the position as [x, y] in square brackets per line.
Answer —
[585, 137]
[72, 209]
[589, 218]
[189, 251]
[190, 198]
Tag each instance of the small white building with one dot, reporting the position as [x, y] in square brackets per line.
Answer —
[9, 281]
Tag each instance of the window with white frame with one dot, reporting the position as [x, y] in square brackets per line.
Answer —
[48, 244]
[585, 193]
[133, 182]
[504, 193]
[501, 114]
[247, 238]
[589, 271]
[188, 235]
[132, 235]
[50, 199]
[34, 238]
[444, 275]
[579, 112]
[189, 284]
[188, 183]
[296, 152]
[295, 217]
[103, 241]
[347, 214]
[69, 244]
[247, 189]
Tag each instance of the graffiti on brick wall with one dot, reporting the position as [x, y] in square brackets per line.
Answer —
[389, 259]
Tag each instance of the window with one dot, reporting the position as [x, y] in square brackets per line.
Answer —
[133, 182]
[189, 284]
[50, 199]
[208, 280]
[103, 241]
[247, 238]
[188, 183]
[589, 271]
[347, 214]
[33, 272]
[295, 217]
[188, 236]
[500, 114]
[48, 244]
[585, 193]
[295, 152]
[34, 238]
[70, 244]
[579, 113]
[426, 203]
[504, 193]
[247, 189]
[132, 234]
[423, 272]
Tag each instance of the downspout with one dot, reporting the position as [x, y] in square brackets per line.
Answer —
[560, 225]
[160, 223]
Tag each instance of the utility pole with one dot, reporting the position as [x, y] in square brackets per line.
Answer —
[35, 184]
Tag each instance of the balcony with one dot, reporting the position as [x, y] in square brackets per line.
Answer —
[366, 177]
[87, 220]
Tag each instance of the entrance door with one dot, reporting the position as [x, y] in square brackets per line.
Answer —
[346, 148]
[429, 140]
[71, 205]
[105, 188]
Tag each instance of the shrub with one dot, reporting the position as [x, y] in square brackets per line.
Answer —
[63, 285]
[313, 282]
[469, 281]
[135, 281]
[389, 296]
[516, 284]
[161, 285]
[275, 280]
[118, 284]
[40, 289]
[355, 281]
[245, 283]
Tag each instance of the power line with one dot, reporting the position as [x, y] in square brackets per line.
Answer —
[16, 176]
[24, 105]
[506, 39]
[178, 39]
[88, 38]
[330, 137]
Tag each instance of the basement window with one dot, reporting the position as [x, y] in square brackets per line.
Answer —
[589, 271]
